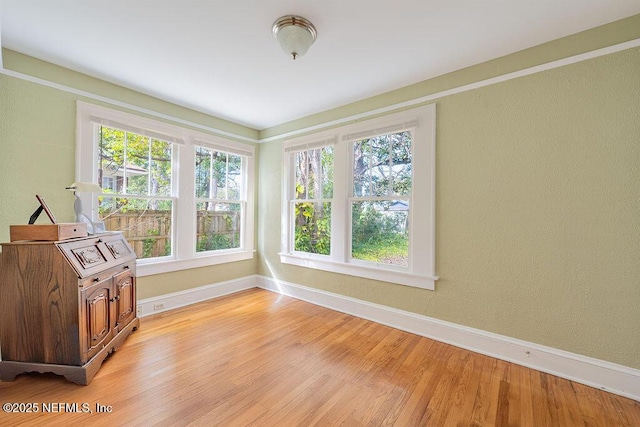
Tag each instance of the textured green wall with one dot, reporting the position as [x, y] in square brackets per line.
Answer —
[37, 152]
[37, 156]
[161, 284]
[538, 212]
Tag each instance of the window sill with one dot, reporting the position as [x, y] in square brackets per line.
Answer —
[381, 274]
[148, 268]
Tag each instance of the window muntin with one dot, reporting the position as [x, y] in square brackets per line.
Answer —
[220, 199]
[132, 165]
[311, 202]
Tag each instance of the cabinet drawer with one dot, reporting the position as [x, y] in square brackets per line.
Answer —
[94, 255]
[89, 256]
[118, 248]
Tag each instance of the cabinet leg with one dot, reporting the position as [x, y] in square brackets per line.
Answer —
[76, 374]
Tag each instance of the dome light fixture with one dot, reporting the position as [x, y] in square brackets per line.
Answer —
[295, 34]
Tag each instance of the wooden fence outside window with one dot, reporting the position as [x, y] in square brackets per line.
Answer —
[149, 232]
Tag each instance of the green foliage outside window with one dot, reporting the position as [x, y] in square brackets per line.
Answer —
[312, 210]
[217, 241]
[379, 234]
[150, 246]
[313, 228]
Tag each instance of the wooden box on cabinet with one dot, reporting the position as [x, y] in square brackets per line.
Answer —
[65, 305]
[60, 231]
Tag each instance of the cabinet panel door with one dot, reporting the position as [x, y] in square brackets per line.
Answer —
[97, 317]
[125, 298]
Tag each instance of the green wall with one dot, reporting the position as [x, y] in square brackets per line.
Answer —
[37, 151]
[538, 212]
[37, 155]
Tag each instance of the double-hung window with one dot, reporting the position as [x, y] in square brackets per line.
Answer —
[181, 198]
[136, 175]
[220, 199]
[360, 199]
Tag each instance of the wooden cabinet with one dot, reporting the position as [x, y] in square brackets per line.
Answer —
[66, 305]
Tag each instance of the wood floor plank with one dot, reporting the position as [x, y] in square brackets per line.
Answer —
[256, 358]
[464, 395]
[526, 402]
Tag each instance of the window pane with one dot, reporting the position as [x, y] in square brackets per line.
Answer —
[136, 168]
[380, 232]
[160, 168]
[382, 165]
[312, 227]
[234, 177]
[302, 173]
[402, 160]
[146, 224]
[361, 168]
[134, 164]
[327, 172]
[136, 184]
[203, 172]
[111, 160]
[218, 226]
[314, 174]
[218, 175]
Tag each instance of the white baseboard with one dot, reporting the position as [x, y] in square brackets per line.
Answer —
[600, 374]
[155, 305]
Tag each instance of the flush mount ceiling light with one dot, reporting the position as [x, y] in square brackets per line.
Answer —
[295, 34]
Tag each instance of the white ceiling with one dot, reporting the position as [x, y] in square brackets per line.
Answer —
[219, 57]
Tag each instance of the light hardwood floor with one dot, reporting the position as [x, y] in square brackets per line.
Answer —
[258, 358]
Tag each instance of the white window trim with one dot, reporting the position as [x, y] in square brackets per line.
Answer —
[421, 271]
[183, 238]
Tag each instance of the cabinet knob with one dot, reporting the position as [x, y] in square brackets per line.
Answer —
[97, 279]
[99, 241]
